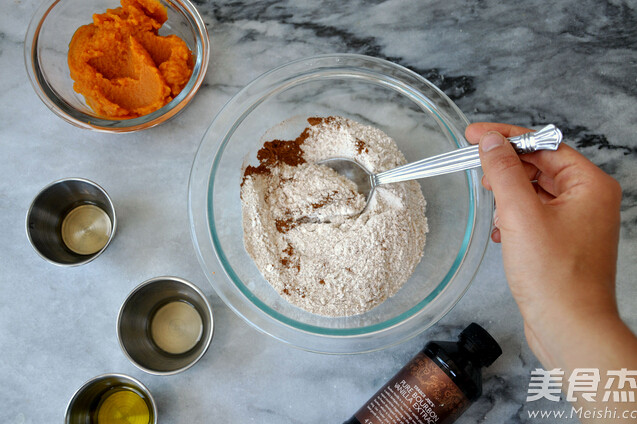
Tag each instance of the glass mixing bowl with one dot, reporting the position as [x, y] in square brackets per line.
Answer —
[422, 121]
[47, 45]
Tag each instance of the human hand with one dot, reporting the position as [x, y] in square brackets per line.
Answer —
[559, 237]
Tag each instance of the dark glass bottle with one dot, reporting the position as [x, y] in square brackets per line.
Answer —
[437, 385]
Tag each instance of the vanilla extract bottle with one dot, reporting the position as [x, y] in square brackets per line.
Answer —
[437, 385]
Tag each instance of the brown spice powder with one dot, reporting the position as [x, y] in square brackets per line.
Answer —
[286, 261]
[285, 225]
[361, 147]
[288, 152]
[276, 152]
[329, 121]
[325, 201]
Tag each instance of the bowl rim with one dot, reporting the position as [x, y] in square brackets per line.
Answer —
[476, 194]
[61, 108]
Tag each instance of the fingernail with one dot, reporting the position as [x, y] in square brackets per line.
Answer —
[496, 219]
[491, 140]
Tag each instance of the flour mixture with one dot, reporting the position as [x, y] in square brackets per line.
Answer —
[297, 227]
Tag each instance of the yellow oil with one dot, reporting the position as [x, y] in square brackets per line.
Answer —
[86, 229]
[122, 406]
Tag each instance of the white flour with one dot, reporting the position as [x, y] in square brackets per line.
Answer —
[348, 265]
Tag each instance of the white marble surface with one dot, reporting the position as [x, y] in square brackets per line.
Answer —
[524, 62]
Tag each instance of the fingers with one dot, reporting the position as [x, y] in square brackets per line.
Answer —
[556, 172]
[559, 170]
[507, 177]
[495, 232]
[530, 170]
[475, 131]
[552, 163]
[544, 196]
[564, 169]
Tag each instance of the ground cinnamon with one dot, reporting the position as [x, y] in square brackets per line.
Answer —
[285, 225]
[276, 152]
[328, 198]
[288, 152]
[361, 147]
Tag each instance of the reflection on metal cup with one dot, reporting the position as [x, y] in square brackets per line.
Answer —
[71, 222]
[165, 325]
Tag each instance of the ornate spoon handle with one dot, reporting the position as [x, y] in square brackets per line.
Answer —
[548, 138]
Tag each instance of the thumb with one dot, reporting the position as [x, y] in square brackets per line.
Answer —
[513, 192]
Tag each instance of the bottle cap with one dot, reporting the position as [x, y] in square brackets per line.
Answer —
[479, 343]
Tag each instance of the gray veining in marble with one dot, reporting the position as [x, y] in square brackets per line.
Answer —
[530, 62]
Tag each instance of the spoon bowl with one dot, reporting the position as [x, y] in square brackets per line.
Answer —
[548, 138]
[355, 172]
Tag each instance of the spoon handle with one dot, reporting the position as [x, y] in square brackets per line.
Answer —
[548, 138]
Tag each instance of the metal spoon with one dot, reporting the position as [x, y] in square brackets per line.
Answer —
[548, 138]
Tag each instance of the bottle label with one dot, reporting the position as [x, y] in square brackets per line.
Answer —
[421, 393]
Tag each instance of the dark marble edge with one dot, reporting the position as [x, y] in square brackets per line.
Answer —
[456, 87]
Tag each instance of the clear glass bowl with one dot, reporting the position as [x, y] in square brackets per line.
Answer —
[423, 122]
[47, 44]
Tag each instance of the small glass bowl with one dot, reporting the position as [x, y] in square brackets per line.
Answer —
[46, 48]
[419, 117]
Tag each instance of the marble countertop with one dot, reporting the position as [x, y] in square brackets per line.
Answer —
[524, 62]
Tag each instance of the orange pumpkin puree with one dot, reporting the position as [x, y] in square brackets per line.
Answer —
[122, 67]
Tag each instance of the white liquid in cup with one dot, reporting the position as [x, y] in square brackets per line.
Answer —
[176, 327]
